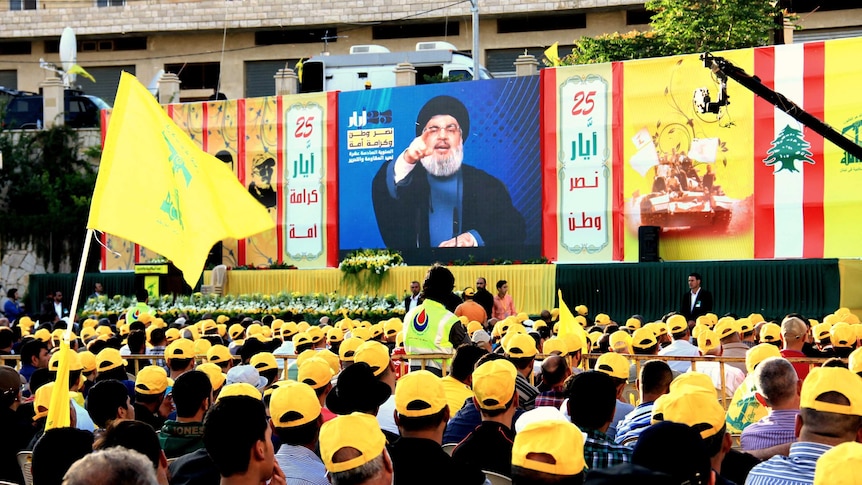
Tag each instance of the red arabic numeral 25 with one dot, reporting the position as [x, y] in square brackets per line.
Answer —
[586, 100]
[304, 127]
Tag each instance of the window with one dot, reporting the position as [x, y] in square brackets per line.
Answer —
[110, 3]
[542, 22]
[196, 75]
[22, 4]
[639, 16]
[425, 29]
[14, 48]
[295, 36]
[821, 5]
[125, 43]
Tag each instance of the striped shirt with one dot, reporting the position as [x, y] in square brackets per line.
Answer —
[796, 469]
[301, 466]
[777, 428]
[526, 393]
[630, 428]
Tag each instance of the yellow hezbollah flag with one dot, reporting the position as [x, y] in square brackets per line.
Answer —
[59, 415]
[158, 189]
[553, 54]
[567, 319]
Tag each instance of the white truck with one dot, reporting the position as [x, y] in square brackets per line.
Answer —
[373, 66]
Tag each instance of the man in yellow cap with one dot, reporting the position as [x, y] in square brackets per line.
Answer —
[709, 344]
[421, 416]
[457, 384]
[430, 327]
[376, 355]
[521, 350]
[830, 414]
[548, 452]
[678, 329]
[489, 446]
[296, 418]
[353, 449]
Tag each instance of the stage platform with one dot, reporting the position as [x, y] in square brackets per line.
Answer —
[813, 287]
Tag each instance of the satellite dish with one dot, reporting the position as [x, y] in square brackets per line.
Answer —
[68, 54]
[153, 87]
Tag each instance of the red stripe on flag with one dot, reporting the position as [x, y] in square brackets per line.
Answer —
[617, 106]
[205, 109]
[764, 181]
[240, 168]
[279, 187]
[331, 179]
[812, 194]
[548, 156]
[103, 249]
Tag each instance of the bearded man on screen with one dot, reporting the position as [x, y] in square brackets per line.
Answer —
[428, 198]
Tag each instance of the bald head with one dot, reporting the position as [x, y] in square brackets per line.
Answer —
[793, 331]
[555, 370]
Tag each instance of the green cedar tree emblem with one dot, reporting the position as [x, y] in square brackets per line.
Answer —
[788, 148]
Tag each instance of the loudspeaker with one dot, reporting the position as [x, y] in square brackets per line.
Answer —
[648, 243]
[214, 258]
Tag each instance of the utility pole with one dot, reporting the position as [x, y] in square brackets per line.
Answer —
[474, 9]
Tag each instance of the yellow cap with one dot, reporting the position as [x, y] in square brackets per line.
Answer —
[316, 372]
[726, 326]
[843, 335]
[770, 333]
[419, 393]
[44, 335]
[361, 333]
[218, 354]
[643, 338]
[856, 361]
[358, 431]
[521, 345]
[152, 379]
[522, 317]
[758, 354]
[614, 365]
[288, 330]
[756, 318]
[375, 354]
[633, 323]
[86, 333]
[554, 345]
[603, 319]
[581, 310]
[347, 349]
[621, 342]
[840, 465]
[293, 404]
[691, 407]
[222, 319]
[301, 338]
[263, 361]
[473, 326]
[331, 359]
[109, 358]
[303, 326]
[236, 331]
[213, 371]
[581, 320]
[88, 360]
[494, 384]
[171, 334]
[334, 335]
[316, 333]
[253, 329]
[180, 349]
[676, 324]
[745, 325]
[555, 313]
[304, 356]
[42, 400]
[74, 360]
[239, 389]
[708, 340]
[832, 379]
[693, 381]
[562, 440]
[202, 346]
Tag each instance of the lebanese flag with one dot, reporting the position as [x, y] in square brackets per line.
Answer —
[788, 157]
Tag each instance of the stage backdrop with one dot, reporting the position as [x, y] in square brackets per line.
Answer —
[497, 199]
[283, 150]
[624, 146]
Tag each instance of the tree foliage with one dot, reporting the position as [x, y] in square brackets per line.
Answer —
[684, 27]
[45, 190]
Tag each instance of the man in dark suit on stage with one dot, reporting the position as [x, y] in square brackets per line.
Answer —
[411, 301]
[696, 301]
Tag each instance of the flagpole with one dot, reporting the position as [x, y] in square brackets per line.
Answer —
[78, 283]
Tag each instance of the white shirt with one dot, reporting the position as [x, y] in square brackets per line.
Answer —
[680, 348]
[414, 301]
[693, 298]
[733, 377]
[58, 309]
[386, 416]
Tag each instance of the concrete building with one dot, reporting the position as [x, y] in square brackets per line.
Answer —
[236, 46]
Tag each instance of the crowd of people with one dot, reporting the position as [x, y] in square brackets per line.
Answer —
[436, 397]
